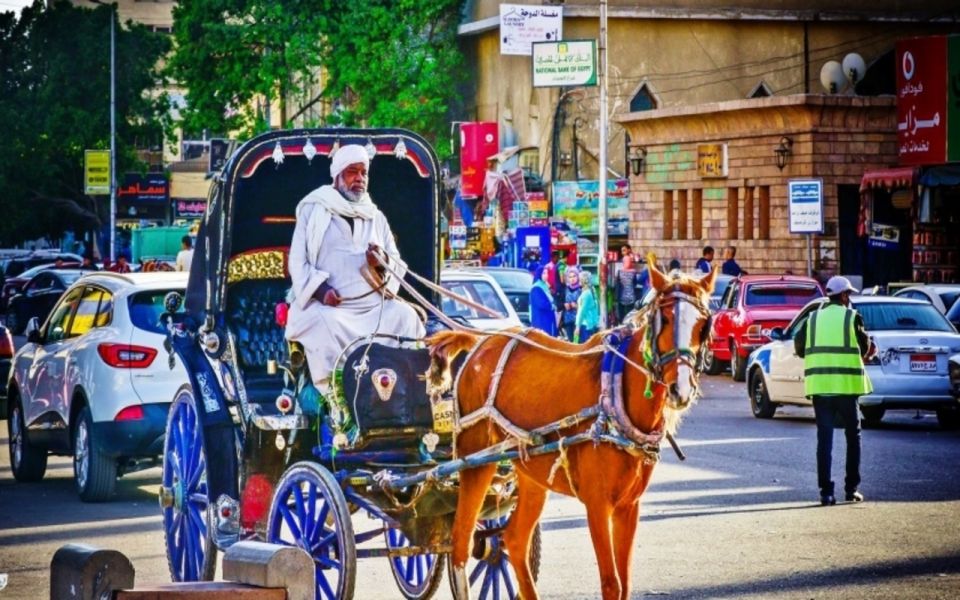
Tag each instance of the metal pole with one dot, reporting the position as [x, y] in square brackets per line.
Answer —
[602, 217]
[809, 255]
[113, 136]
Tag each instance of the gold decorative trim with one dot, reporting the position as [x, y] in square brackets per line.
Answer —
[259, 264]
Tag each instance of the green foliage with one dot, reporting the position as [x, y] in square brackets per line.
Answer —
[55, 103]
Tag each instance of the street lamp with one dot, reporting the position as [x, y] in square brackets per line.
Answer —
[113, 130]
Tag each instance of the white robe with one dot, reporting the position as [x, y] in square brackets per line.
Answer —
[324, 330]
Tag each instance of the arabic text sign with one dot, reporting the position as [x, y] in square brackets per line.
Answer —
[152, 187]
[572, 62]
[522, 24]
[884, 236]
[806, 205]
[922, 100]
[96, 172]
[953, 98]
[578, 203]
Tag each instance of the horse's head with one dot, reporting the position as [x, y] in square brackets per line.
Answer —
[678, 328]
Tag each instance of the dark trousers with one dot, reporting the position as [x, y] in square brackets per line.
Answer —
[836, 412]
[568, 328]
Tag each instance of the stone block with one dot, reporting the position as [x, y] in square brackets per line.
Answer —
[271, 566]
[83, 572]
[202, 590]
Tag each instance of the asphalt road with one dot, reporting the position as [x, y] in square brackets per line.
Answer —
[739, 519]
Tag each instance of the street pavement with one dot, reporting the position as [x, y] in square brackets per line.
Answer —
[740, 518]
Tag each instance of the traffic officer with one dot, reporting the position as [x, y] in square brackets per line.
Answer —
[834, 344]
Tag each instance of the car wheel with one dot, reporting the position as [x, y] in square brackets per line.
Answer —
[28, 462]
[949, 417]
[711, 366]
[738, 364]
[94, 473]
[872, 415]
[759, 399]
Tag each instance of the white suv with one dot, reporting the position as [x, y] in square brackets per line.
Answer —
[94, 382]
[482, 289]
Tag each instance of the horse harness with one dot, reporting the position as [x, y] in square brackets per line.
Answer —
[656, 361]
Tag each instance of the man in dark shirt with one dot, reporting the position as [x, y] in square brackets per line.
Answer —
[705, 263]
[730, 266]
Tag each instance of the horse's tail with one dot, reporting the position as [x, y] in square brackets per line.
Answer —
[444, 347]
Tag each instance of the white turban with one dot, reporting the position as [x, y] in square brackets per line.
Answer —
[346, 156]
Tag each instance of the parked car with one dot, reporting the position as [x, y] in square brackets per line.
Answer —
[719, 289]
[482, 289]
[942, 295]
[38, 296]
[14, 285]
[94, 382]
[6, 359]
[751, 306]
[20, 264]
[516, 284]
[953, 315]
[953, 369]
[910, 371]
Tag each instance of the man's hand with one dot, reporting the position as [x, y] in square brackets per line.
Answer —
[325, 294]
[373, 251]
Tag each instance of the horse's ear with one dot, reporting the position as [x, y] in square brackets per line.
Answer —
[710, 280]
[658, 280]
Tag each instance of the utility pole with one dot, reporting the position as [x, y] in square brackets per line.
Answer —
[602, 217]
[113, 128]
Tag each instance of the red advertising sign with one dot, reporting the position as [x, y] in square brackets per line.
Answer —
[478, 142]
[922, 100]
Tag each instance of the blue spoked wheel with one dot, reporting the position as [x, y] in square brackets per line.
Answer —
[309, 512]
[417, 575]
[491, 576]
[191, 554]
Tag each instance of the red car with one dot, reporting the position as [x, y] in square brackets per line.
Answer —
[750, 308]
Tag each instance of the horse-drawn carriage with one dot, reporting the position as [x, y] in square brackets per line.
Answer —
[253, 451]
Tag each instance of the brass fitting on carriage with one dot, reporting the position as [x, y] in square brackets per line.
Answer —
[294, 365]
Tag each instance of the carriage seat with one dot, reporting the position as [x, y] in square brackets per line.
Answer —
[251, 309]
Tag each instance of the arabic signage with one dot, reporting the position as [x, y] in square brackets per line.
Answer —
[218, 155]
[578, 203]
[572, 62]
[521, 25]
[189, 209]
[883, 236]
[953, 98]
[96, 172]
[711, 160]
[806, 205]
[922, 100]
[151, 188]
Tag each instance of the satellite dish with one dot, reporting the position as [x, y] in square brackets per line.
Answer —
[854, 67]
[832, 77]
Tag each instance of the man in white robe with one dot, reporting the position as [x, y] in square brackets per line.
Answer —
[332, 301]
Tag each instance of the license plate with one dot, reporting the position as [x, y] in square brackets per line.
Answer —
[923, 363]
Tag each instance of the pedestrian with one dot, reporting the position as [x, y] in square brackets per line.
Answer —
[730, 266]
[572, 291]
[88, 263]
[834, 344]
[185, 256]
[121, 266]
[588, 311]
[626, 293]
[675, 265]
[542, 311]
[705, 263]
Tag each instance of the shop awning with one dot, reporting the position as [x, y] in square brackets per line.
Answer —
[945, 175]
[888, 179]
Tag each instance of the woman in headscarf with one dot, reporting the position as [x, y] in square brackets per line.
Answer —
[571, 295]
[588, 311]
[542, 312]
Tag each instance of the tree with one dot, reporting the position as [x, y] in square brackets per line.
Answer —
[54, 103]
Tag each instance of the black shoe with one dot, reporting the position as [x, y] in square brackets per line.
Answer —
[827, 500]
[854, 497]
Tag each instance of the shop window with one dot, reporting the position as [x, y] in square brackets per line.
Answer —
[682, 215]
[696, 214]
[643, 99]
[733, 206]
[668, 214]
[763, 212]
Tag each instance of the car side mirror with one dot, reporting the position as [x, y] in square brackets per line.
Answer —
[32, 331]
[776, 333]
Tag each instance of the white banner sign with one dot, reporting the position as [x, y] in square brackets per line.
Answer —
[564, 63]
[523, 24]
[806, 205]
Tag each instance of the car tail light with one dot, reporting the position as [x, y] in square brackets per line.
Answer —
[755, 331]
[130, 413]
[6, 344]
[126, 356]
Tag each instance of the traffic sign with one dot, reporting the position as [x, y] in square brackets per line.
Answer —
[96, 172]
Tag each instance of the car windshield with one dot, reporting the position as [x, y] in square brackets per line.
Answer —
[720, 287]
[480, 292]
[146, 308]
[69, 278]
[512, 280]
[895, 316]
[780, 295]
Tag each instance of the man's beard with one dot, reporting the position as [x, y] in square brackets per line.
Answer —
[347, 193]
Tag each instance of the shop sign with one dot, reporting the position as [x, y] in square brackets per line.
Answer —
[564, 63]
[953, 98]
[521, 25]
[806, 205]
[218, 155]
[189, 209]
[922, 100]
[711, 160]
[883, 236]
[150, 188]
[578, 203]
[458, 236]
[96, 172]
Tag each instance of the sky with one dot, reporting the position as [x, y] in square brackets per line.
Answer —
[16, 5]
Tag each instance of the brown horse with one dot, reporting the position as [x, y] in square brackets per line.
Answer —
[539, 386]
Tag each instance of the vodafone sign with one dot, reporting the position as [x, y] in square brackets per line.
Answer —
[922, 100]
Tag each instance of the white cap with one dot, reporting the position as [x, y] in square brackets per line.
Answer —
[837, 285]
[346, 156]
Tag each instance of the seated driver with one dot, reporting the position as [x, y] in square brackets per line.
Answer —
[333, 303]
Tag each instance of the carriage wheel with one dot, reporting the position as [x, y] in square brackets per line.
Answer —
[418, 575]
[309, 512]
[492, 577]
[191, 554]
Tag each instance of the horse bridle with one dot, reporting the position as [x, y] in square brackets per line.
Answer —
[655, 360]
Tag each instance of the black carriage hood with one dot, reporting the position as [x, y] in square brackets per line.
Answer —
[252, 202]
